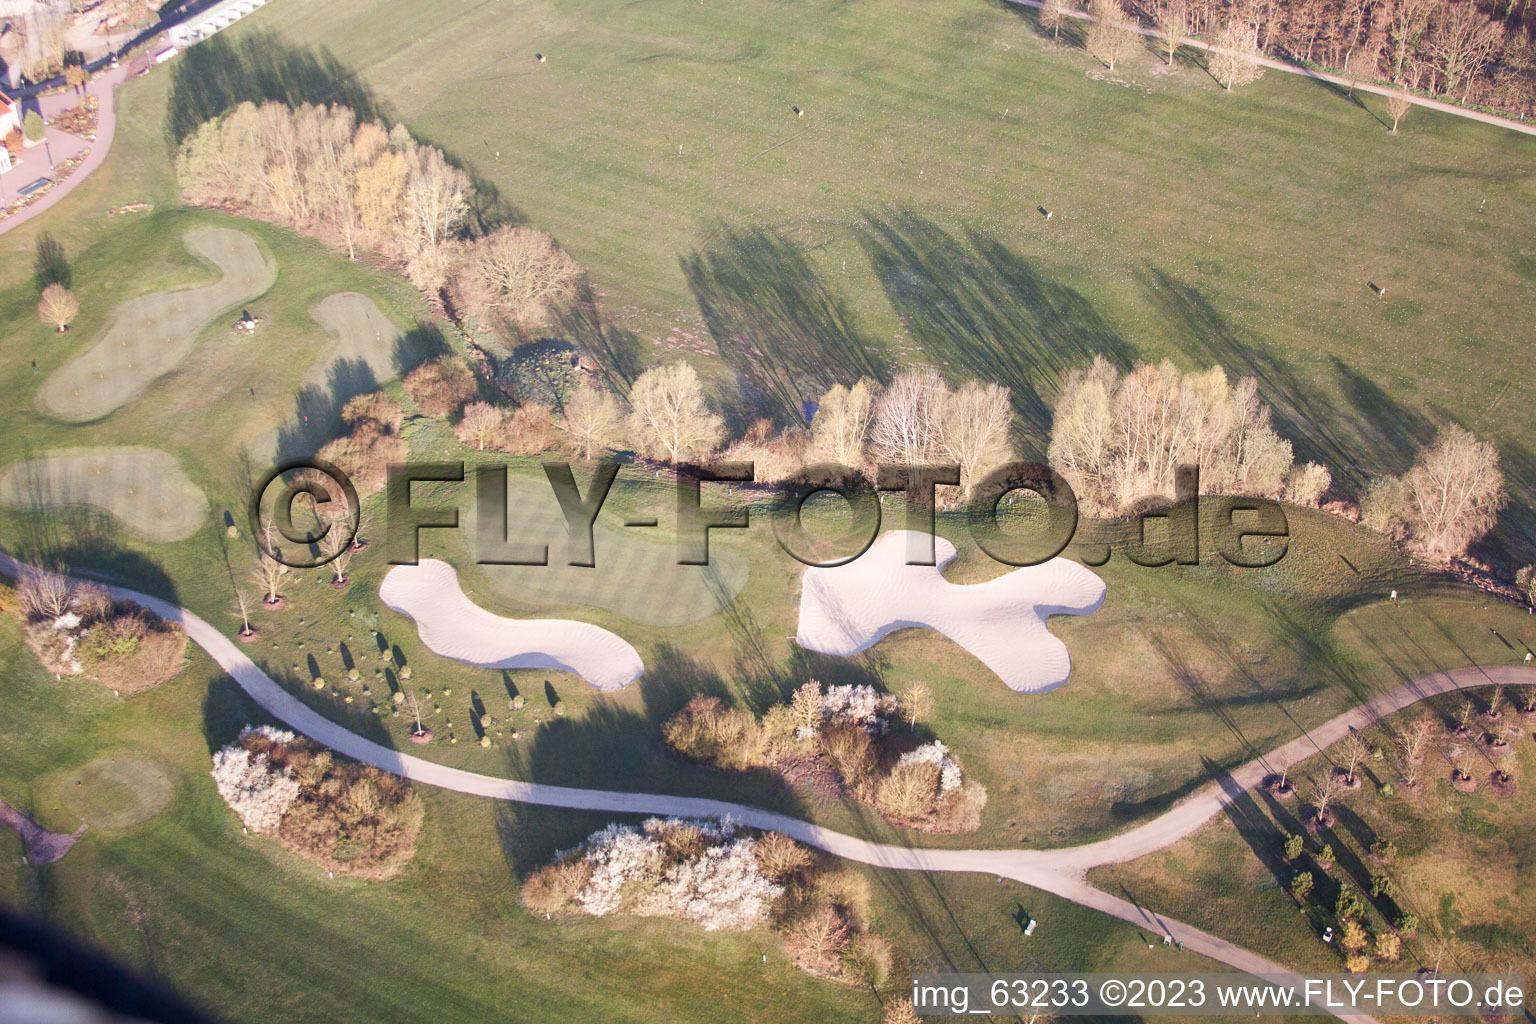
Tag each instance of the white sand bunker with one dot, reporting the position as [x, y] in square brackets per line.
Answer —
[149, 336]
[143, 487]
[849, 608]
[452, 625]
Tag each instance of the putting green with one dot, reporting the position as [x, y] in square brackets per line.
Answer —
[149, 336]
[364, 353]
[364, 336]
[143, 487]
[634, 576]
[116, 792]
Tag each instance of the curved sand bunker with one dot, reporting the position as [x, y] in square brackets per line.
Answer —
[849, 608]
[452, 625]
[149, 336]
[143, 487]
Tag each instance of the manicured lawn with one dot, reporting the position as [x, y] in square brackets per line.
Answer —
[895, 221]
[659, 143]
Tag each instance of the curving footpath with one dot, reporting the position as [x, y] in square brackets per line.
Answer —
[1061, 872]
[106, 85]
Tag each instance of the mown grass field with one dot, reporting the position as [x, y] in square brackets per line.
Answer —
[896, 221]
[659, 143]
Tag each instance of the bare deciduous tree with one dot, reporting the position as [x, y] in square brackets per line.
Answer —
[1172, 26]
[1118, 440]
[518, 272]
[58, 307]
[1415, 739]
[268, 571]
[44, 593]
[1398, 105]
[840, 429]
[592, 421]
[436, 197]
[917, 704]
[1235, 56]
[1325, 789]
[973, 429]
[907, 415]
[480, 425]
[244, 604]
[1113, 36]
[1052, 14]
[1461, 42]
[1353, 751]
[669, 418]
[1306, 485]
[1453, 493]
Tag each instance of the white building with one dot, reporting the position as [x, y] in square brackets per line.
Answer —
[204, 24]
[10, 115]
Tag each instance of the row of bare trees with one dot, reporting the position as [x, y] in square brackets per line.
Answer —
[1471, 51]
[1118, 438]
[362, 186]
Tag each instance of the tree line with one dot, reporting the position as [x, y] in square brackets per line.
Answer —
[367, 187]
[1469, 51]
[1116, 437]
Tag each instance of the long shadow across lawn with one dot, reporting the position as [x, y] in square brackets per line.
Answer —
[981, 310]
[786, 333]
[218, 74]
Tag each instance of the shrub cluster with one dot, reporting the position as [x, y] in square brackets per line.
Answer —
[849, 729]
[441, 387]
[372, 443]
[712, 874]
[698, 871]
[340, 815]
[78, 628]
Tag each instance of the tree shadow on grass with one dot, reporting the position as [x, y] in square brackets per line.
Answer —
[219, 73]
[317, 410]
[1073, 31]
[1302, 415]
[613, 351]
[90, 543]
[50, 265]
[1253, 825]
[1388, 431]
[1512, 541]
[980, 310]
[787, 334]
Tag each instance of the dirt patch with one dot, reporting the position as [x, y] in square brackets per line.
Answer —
[116, 792]
[144, 488]
[43, 846]
[149, 336]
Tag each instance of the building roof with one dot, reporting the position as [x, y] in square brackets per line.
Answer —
[5, 101]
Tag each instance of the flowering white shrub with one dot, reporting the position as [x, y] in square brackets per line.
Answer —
[618, 854]
[271, 732]
[67, 622]
[719, 887]
[258, 793]
[858, 705]
[722, 888]
[936, 753]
